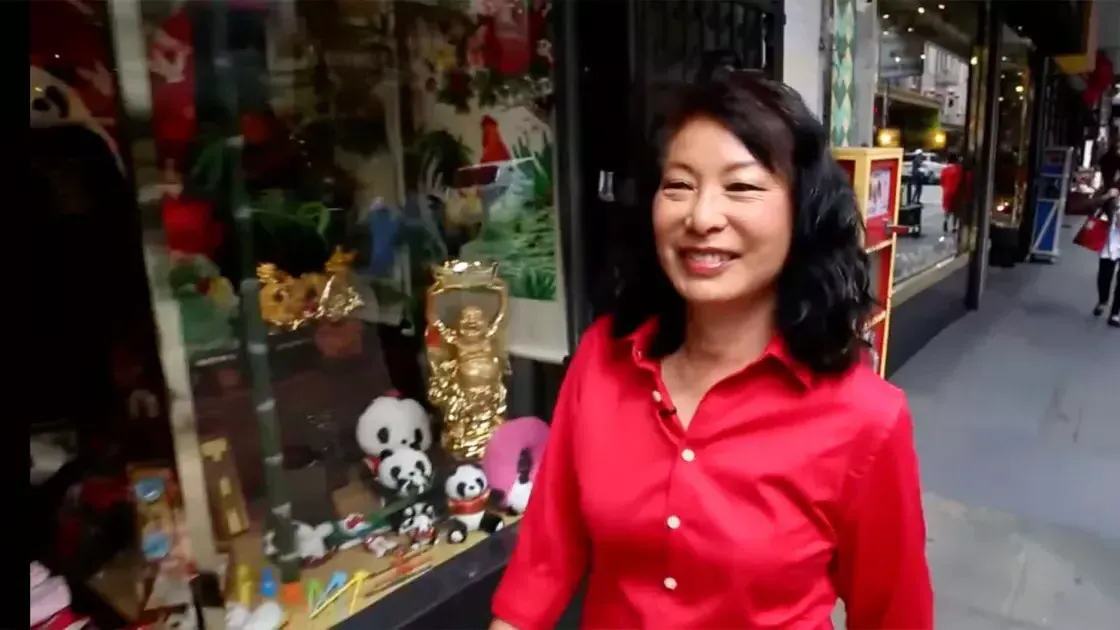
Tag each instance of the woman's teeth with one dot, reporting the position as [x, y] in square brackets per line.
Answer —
[707, 258]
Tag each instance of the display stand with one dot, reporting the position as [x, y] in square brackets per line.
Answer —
[1050, 203]
[875, 174]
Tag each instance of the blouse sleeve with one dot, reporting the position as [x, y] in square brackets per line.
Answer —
[882, 574]
[552, 545]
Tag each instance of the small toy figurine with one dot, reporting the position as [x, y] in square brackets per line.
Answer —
[355, 530]
[311, 543]
[268, 584]
[419, 524]
[244, 585]
[379, 545]
[512, 459]
[517, 499]
[468, 494]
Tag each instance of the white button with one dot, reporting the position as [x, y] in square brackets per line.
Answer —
[687, 455]
[673, 522]
[670, 584]
[656, 396]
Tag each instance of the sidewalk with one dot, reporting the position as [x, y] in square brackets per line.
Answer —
[1017, 423]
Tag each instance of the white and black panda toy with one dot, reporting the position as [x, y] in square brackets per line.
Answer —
[418, 523]
[468, 498]
[391, 423]
[403, 472]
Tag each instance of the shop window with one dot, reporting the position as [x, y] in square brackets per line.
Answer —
[927, 92]
[360, 228]
[1012, 149]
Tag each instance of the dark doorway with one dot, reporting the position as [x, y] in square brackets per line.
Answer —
[631, 59]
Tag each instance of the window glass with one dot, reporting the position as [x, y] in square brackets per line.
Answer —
[322, 164]
[926, 91]
[1012, 148]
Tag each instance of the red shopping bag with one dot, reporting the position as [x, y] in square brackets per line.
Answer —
[1093, 234]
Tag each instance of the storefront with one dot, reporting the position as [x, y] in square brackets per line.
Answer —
[954, 87]
[298, 177]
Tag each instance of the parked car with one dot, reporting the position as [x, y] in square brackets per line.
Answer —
[931, 168]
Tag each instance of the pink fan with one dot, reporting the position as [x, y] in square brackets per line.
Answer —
[518, 441]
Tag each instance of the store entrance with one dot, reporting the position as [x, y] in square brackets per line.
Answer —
[632, 58]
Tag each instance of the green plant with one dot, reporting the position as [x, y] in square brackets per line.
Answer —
[538, 170]
[274, 210]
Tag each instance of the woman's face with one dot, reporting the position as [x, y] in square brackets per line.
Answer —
[722, 222]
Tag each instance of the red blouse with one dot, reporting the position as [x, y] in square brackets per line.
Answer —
[787, 491]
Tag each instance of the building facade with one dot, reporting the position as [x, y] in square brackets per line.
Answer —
[292, 171]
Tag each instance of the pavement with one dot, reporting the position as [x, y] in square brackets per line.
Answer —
[1017, 424]
[932, 245]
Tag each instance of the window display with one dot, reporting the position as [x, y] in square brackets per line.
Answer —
[358, 212]
[924, 96]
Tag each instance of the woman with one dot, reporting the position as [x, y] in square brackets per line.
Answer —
[1110, 259]
[719, 457]
[950, 186]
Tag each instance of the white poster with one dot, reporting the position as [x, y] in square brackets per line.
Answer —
[879, 195]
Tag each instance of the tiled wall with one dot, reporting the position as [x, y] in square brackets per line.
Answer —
[843, 66]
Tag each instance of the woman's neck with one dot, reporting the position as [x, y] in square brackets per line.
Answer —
[727, 336]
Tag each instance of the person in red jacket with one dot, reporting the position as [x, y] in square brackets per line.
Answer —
[951, 177]
[721, 456]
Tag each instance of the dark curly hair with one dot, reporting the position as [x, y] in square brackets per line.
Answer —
[823, 292]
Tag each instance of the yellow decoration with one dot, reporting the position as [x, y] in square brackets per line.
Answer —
[337, 297]
[469, 356]
[244, 585]
[287, 302]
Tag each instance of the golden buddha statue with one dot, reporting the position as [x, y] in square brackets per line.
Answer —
[469, 362]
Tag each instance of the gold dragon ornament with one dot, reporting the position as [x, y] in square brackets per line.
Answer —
[467, 358]
[289, 302]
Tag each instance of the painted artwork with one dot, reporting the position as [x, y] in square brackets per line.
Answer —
[482, 87]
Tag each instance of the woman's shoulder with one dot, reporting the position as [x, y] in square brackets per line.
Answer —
[596, 343]
[870, 404]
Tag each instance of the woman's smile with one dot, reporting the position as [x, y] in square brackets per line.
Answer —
[705, 262]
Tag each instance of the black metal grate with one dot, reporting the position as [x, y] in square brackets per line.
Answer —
[680, 34]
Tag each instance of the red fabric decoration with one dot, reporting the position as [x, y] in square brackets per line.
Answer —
[256, 129]
[1098, 81]
[189, 226]
[171, 70]
[70, 41]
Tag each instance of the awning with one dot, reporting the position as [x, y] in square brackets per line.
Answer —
[1057, 27]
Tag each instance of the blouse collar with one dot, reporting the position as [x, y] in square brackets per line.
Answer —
[776, 351]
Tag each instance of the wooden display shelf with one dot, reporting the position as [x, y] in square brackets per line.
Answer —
[118, 583]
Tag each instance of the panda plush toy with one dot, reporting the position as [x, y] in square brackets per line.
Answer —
[391, 423]
[403, 472]
[468, 498]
